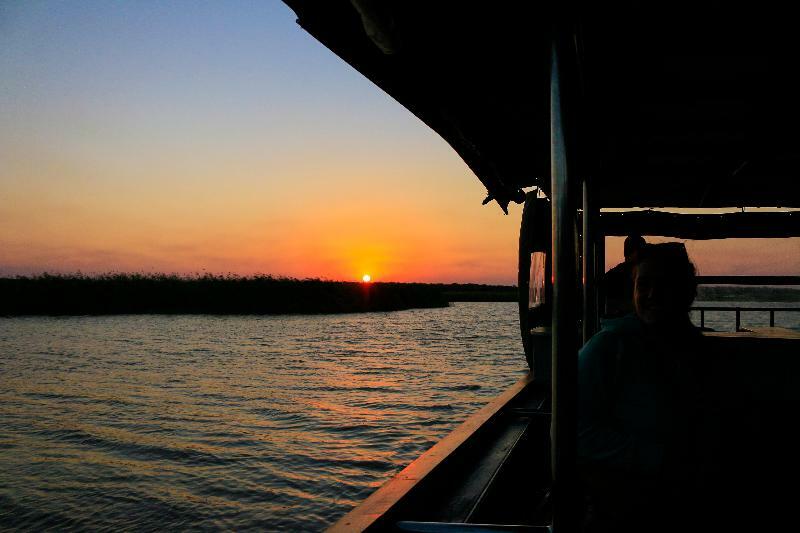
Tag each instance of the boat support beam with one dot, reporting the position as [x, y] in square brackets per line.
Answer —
[564, 319]
[589, 261]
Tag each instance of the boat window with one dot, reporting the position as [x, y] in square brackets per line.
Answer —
[536, 289]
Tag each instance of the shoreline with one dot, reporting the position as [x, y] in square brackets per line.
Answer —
[118, 294]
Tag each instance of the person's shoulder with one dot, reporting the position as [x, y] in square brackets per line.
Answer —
[623, 325]
[612, 331]
[619, 270]
[618, 276]
[605, 346]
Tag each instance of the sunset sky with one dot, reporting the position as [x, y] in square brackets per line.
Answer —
[220, 137]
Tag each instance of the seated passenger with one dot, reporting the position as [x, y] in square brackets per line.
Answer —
[618, 281]
[637, 392]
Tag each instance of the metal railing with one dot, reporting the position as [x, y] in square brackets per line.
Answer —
[738, 311]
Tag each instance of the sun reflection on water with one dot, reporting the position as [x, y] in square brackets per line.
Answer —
[151, 422]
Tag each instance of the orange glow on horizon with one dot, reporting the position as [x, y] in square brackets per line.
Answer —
[366, 278]
[299, 169]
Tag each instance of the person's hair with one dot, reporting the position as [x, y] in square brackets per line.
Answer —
[673, 257]
[633, 243]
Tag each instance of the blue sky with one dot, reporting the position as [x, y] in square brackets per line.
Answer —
[219, 136]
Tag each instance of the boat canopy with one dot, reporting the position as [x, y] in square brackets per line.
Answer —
[671, 104]
[702, 226]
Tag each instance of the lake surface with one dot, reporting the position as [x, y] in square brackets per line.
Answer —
[152, 422]
[148, 422]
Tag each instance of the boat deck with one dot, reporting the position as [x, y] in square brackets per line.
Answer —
[475, 474]
[469, 475]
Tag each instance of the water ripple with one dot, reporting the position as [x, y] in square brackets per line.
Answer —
[146, 423]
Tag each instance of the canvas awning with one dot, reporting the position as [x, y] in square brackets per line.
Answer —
[677, 104]
[702, 226]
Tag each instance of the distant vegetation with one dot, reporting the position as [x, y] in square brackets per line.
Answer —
[472, 292]
[712, 293]
[743, 293]
[208, 294]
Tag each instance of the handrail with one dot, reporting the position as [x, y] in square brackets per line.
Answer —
[748, 280]
[738, 310]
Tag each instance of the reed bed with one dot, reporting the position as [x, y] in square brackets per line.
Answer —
[77, 294]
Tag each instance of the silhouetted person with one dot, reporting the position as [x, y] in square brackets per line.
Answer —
[637, 394]
[618, 282]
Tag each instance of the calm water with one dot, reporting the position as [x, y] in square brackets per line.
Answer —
[157, 422]
[268, 423]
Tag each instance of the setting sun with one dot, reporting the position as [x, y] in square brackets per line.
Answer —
[366, 278]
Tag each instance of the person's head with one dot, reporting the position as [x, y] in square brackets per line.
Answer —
[664, 284]
[633, 246]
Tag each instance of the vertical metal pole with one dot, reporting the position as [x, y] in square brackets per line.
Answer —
[738, 319]
[600, 252]
[772, 319]
[564, 331]
[702, 318]
[588, 263]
